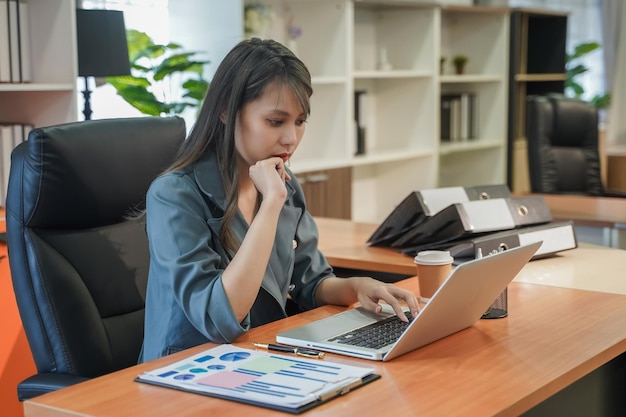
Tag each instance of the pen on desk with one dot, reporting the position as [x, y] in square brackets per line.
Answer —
[290, 349]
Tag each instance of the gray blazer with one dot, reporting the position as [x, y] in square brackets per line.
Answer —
[185, 302]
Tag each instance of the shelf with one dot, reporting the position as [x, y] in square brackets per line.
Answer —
[307, 165]
[50, 96]
[344, 43]
[540, 77]
[537, 67]
[472, 78]
[380, 158]
[329, 80]
[447, 148]
[392, 74]
[35, 87]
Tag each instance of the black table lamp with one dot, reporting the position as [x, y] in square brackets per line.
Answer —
[102, 47]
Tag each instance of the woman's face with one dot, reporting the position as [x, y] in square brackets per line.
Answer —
[270, 126]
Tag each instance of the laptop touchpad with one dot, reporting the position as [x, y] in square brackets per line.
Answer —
[335, 325]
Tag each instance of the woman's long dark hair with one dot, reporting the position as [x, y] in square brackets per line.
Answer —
[241, 77]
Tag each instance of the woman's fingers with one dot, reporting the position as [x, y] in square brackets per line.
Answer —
[391, 295]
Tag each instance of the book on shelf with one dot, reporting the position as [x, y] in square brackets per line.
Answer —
[24, 42]
[11, 135]
[14, 40]
[287, 383]
[18, 37]
[459, 117]
[360, 120]
[5, 55]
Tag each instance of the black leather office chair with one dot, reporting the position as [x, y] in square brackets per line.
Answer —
[78, 264]
[563, 152]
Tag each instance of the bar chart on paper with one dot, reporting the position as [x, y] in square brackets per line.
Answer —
[259, 377]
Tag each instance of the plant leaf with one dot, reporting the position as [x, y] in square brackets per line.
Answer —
[584, 48]
[150, 64]
[196, 88]
[170, 66]
[601, 101]
[122, 81]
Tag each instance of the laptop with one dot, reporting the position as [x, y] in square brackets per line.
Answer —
[467, 293]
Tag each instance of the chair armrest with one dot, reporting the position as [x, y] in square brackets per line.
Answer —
[43, 383]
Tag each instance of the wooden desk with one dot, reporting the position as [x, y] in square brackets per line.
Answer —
[588, 211]
[600, 220]
[616, 167]
[495, 368]
[344, 243]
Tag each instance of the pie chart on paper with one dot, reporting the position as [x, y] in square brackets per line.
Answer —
[234, 356]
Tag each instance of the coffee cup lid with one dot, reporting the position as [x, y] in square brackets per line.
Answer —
[433, 257]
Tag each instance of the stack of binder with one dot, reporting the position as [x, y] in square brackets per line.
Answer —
[422, 204]
[466, 219]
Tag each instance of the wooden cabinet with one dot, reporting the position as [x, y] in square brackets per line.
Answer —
[50, 97]
[328, 193]
[537, 67]
[391, 50]
[616, 171]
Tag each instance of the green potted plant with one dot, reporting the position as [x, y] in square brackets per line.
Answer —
[459, 62]
[574, 68]
[442, 64]
[156, 69]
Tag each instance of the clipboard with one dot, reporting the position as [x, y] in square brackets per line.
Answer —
[261, 378]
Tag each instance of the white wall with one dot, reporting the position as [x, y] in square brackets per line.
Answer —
[214, 26]
[210, 26]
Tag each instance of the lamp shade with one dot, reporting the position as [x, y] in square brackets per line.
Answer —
[102, 45]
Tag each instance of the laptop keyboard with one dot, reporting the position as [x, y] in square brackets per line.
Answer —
[375, 335]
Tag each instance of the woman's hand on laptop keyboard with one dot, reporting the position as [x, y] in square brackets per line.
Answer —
[371, 292]
[367, 291]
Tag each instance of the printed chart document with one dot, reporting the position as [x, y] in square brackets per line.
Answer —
[282, 382]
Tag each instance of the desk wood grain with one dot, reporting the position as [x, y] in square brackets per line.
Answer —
[344, 243]
[588, 267]
[588, 211]
[552, 337]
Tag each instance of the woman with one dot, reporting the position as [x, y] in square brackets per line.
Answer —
[231, 241]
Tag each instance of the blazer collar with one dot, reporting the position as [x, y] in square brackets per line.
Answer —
[209, 182]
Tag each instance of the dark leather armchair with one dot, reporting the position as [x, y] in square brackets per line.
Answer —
[563, 152]
[79, 264]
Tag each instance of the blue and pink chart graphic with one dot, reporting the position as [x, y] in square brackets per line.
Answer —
[257, 376]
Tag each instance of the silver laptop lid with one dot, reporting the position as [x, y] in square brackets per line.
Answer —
[459, 303]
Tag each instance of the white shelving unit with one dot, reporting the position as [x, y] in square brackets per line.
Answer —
[482, 34]
[402, 118]
[342, 42]
[50, 98]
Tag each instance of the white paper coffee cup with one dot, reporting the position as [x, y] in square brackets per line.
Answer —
[433, 267]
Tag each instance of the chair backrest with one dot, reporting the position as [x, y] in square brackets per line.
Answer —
[563, 153]
[79, 266]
